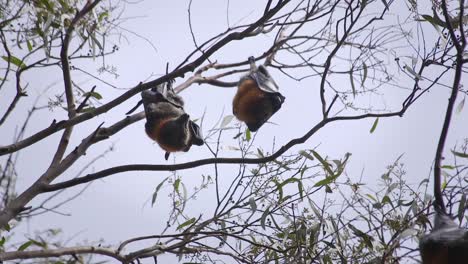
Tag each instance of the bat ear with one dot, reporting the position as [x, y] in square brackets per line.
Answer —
[197, 137]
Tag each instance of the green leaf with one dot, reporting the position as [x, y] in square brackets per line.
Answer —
[7, 227]
[49, 6]
[434, 20]
[248, 135]
[96, 95]
[448, 167]
[264, 216]
[176, 185]
[260, 153]
[279, 187]
[325, 165]
[299, 185]
[306, 155]
[39, 244]
[325, 181]
[365, 237]
[102, 16]
[412, 72]
[2, 241]
[155, 194]
[351, 79]
[253, 204]
[187, 223]
[374, 126]
[14, 60]
[459, 154]
[386, 200]
[460, 106]
[371, 197]
[28, 43]
[25, 246]
[461, 207]
[364, 78]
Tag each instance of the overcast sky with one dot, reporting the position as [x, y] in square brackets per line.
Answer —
[118, 207]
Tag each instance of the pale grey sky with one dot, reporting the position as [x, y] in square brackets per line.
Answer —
[118, 207]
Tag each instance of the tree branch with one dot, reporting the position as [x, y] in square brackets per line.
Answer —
[57, 126]
[460, 47]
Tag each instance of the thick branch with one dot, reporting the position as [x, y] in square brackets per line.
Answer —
[448, 114]
[202, 162]
[18, 204]
[50, 253]
[57, 126]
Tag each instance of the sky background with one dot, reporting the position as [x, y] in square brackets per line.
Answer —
[118, 207]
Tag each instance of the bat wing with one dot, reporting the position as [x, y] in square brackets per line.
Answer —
[197, 137]
[264, 80]
[161, 93]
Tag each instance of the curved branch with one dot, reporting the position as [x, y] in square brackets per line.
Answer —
[202, 162]
[50, 253]
[190, 67]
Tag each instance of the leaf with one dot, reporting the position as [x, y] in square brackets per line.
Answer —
[2, 241]
[434, 20]
[325, 181]
[299, 185]
[28, 43]
[364, 78]
[279, 187]
[374, 126]
[412, 72]
[102, 16]
[176, 185]
[386, 200]
[25, 246]
[155, 194]
[7, 227]
[96, 95]
[264, 216]
[365, 237]
[305, 154]
[253, 204]
[461, 207]
[460, 106]
[14, 60]
[186, 223]
[248, 135]
[448, 167]
[226, 120]
[39, 244]
[352, 81]
[371, 197]
[324, 163]
[260, 153]
[459, 154]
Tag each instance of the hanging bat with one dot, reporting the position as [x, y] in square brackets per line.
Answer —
[257, 97]
[166, 121]
[446, 244]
